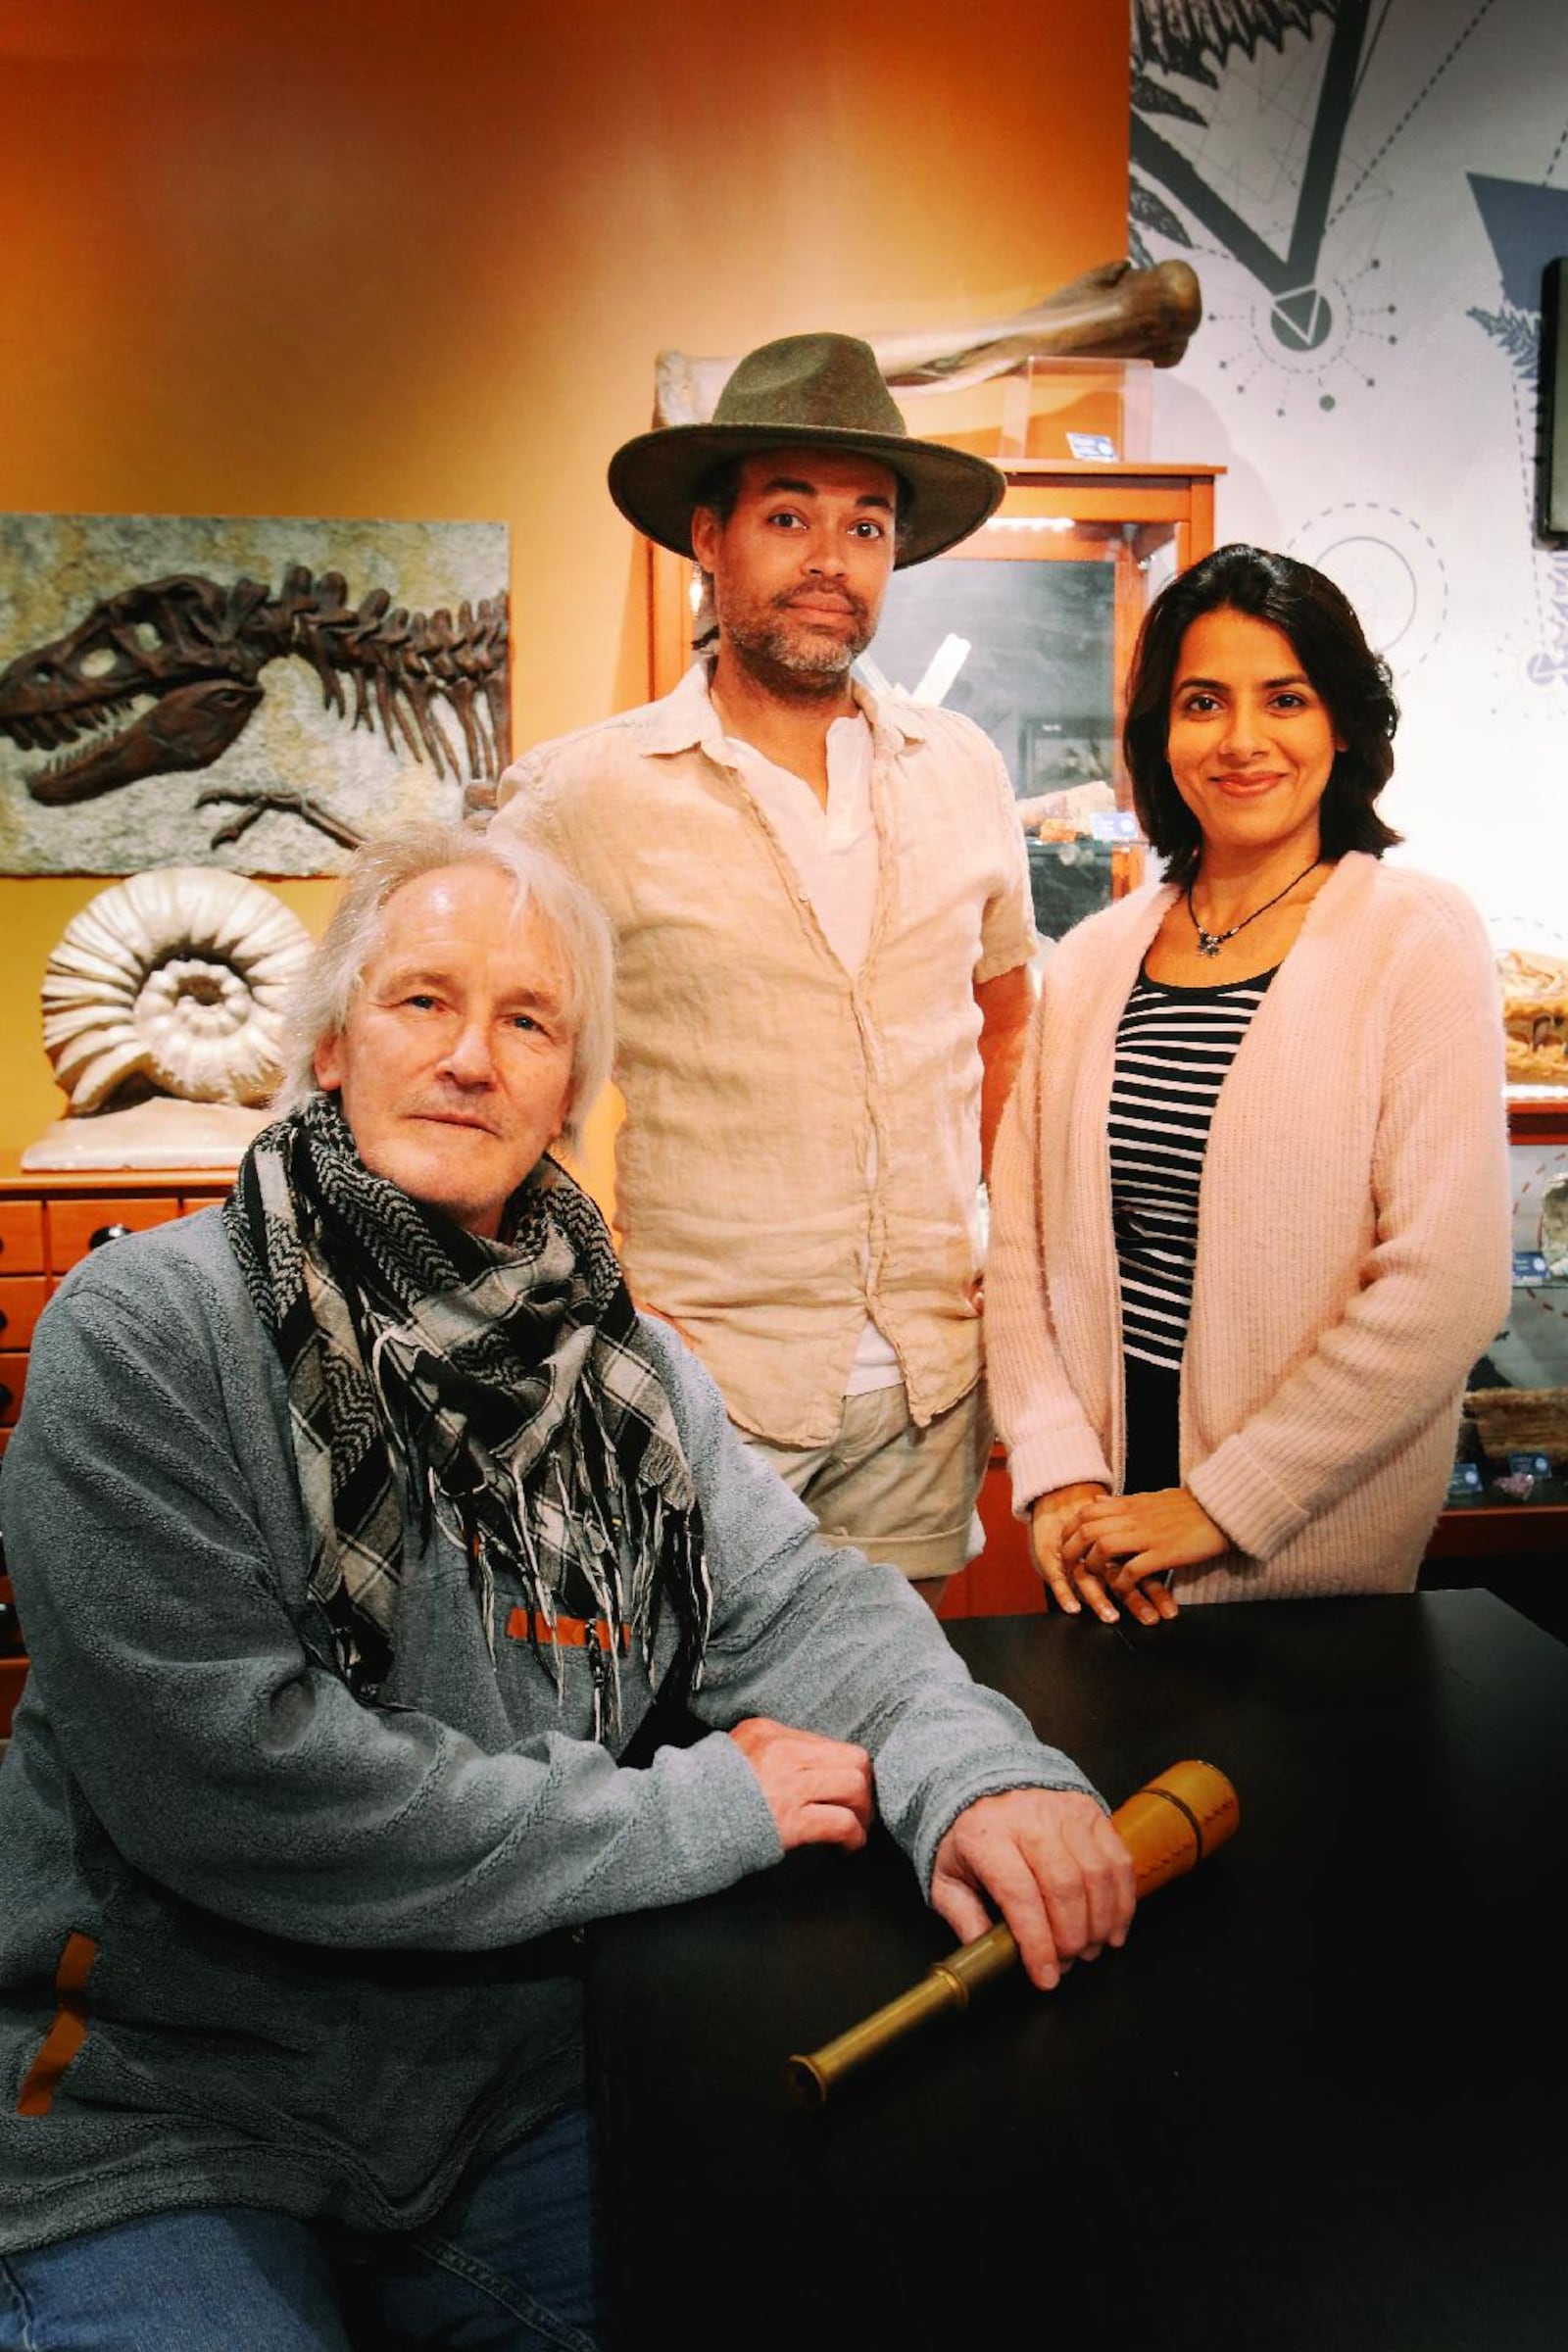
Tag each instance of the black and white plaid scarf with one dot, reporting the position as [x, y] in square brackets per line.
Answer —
[501, 1386]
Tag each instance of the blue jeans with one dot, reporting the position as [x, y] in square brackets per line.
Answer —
[508, 2267]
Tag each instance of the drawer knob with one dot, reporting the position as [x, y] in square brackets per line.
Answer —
[7, 1398]
[106, 1233]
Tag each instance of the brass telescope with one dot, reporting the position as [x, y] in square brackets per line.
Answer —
[1168, 1827]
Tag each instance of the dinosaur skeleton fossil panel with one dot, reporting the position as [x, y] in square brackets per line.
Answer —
[256, 694]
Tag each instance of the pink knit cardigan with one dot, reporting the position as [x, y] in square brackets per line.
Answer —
[1353, 1242]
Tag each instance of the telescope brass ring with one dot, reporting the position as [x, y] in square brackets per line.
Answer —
[1185, 1810]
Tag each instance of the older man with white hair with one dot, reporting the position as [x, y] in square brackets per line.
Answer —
[356, 1528]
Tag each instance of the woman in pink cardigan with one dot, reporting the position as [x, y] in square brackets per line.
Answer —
[1250, 1207]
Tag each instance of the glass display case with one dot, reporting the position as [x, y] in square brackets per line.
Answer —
[1027, 627]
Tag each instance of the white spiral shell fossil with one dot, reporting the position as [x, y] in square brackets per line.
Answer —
[172, 983]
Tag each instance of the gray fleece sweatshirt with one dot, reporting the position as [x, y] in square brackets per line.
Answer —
[318, 1983]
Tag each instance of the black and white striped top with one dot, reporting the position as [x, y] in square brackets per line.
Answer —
[1173, 1048]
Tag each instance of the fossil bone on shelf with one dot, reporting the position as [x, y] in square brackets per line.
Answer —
[172, 983]
[1115, 312]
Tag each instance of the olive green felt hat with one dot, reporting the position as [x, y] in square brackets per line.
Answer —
[806, 392]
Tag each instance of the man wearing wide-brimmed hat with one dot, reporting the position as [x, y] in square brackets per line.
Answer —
[822, 910]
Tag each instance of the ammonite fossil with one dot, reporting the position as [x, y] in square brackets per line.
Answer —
[172, 983]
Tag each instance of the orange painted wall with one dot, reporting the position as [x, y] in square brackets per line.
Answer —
[402, 262]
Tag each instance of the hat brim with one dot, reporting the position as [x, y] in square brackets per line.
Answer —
[655, 478]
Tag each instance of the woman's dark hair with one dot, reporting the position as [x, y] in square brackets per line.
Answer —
[1320, 622]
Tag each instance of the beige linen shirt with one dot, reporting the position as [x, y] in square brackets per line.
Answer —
[757, 1070]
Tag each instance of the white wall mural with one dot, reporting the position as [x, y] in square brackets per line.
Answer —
[1369, 192]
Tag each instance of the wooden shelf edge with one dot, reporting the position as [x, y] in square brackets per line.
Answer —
[1538, 1119]
[1500, 1530]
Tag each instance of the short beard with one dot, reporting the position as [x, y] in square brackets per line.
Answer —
[794, 665]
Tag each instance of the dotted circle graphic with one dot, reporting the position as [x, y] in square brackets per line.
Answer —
[1389, 568]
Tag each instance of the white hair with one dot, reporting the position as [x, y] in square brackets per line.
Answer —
[318, 1003]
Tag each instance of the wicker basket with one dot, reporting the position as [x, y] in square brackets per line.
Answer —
[1521, 1421]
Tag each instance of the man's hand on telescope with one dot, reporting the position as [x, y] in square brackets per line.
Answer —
[819, 1789]
[1050, 1863]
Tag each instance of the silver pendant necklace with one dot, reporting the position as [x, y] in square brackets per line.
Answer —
[1209, 943]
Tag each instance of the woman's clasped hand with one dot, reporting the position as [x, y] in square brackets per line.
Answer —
[1101, 1549]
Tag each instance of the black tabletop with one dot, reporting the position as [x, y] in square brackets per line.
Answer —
[1315, 2103]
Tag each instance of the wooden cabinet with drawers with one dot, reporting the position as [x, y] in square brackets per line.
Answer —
[47, 1222]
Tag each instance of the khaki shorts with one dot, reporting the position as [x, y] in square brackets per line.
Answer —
[890, 1490]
